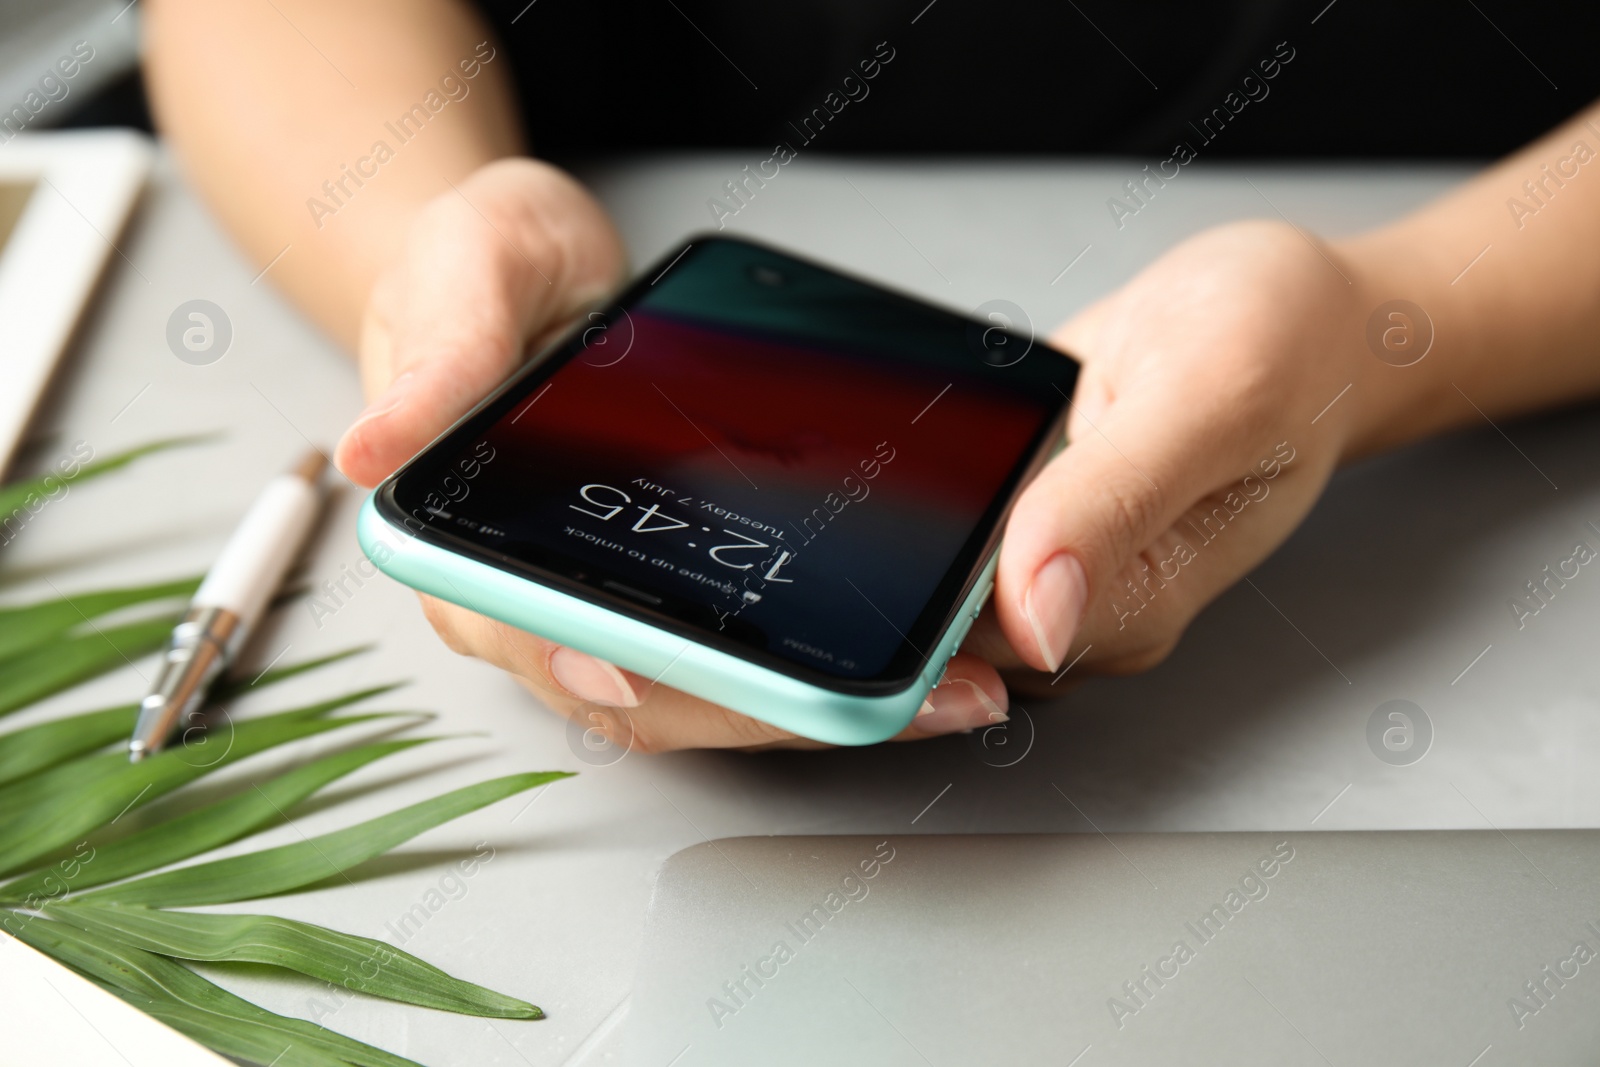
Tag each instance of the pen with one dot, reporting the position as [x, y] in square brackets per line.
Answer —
[229, 602]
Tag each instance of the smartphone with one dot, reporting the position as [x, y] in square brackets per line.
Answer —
[751, 477]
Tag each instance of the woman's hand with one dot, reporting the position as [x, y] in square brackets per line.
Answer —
[490, 267]
[1210, 413]
[489, 270]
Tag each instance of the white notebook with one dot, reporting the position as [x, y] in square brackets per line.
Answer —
[64, 198]
[71, 1022]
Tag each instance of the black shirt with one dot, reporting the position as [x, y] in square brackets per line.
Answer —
[1351, 78]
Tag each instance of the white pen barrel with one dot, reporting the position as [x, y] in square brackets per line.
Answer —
[255, 559]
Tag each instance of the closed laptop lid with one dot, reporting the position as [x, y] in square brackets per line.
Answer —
[1367, 948]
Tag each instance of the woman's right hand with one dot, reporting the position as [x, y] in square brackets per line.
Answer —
[490, 268]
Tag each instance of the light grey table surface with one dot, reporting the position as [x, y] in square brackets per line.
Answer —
[1399, 579]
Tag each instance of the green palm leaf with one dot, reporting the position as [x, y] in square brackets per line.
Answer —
[212, 826]
[293, 866]
[250, 1040]
[41, 672]
[34, 625]
[36, 748]
[17, 494]
[125, 969]
[357, 963]
[66, 783]
[227, 689]
[69, 811]
[63, 782]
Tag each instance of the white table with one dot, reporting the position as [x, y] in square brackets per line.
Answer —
[1398, 580]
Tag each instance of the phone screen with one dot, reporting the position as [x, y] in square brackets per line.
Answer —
[759, 453]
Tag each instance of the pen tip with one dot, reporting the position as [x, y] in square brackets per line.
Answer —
[136, 751]
[311, 466]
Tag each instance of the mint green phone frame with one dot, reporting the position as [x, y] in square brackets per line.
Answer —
[659, 655]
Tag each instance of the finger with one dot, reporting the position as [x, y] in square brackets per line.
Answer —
[511, 253]
[650, 716]
[1109, 494]
[1136, 623]
[988, 642]
[663, 719]
[1223, 536]
[970, 696]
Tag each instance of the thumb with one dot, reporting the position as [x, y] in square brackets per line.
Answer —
[1124, 480]
[502, 259]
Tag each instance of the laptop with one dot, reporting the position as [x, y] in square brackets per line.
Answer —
[1460, 948]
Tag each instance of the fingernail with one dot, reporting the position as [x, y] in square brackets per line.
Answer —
[591, 679]
[1054, 603]
[959, 705]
